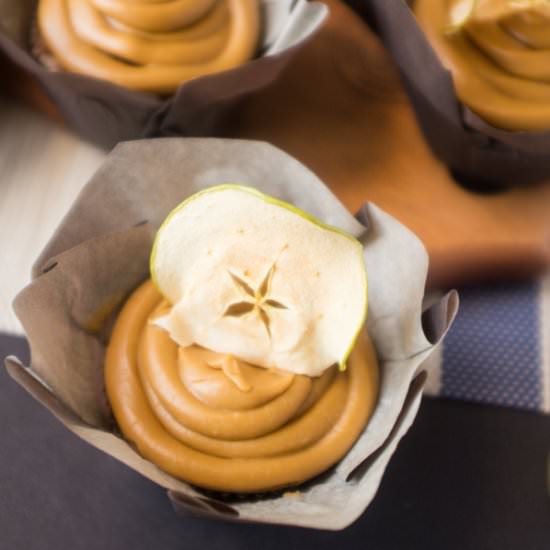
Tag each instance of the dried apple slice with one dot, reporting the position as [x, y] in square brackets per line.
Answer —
[257, 278]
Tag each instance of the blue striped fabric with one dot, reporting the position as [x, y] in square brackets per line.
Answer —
[493, 351]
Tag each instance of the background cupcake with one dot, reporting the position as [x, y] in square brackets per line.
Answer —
[439, 62]
[123, 72]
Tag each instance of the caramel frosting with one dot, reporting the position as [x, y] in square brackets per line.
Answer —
[149, 45]
[499, 56]
[217, 422]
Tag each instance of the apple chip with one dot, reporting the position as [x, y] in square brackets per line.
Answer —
[257, 278]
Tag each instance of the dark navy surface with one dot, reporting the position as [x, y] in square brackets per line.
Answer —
[466, 477]
[492, 353]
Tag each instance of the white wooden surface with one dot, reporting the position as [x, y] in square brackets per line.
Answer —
[42, 169]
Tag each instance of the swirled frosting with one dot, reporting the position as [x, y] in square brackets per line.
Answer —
[499, 57]
[149, 45]
[222, 424]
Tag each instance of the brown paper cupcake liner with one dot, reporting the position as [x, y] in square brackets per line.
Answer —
[105, 114]
[478, 154]
[99, 254]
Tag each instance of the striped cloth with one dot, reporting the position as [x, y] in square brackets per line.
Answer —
[498, 350]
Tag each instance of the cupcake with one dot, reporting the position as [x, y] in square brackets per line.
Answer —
[118, 70]
[497, 52]
[475, 75]
[273, 364]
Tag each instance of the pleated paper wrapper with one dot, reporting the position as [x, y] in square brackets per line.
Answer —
[100, 253]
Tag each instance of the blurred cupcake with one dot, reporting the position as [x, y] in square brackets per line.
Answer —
[119, 70]
[100, 255]
[498, 52]
[475, 72]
